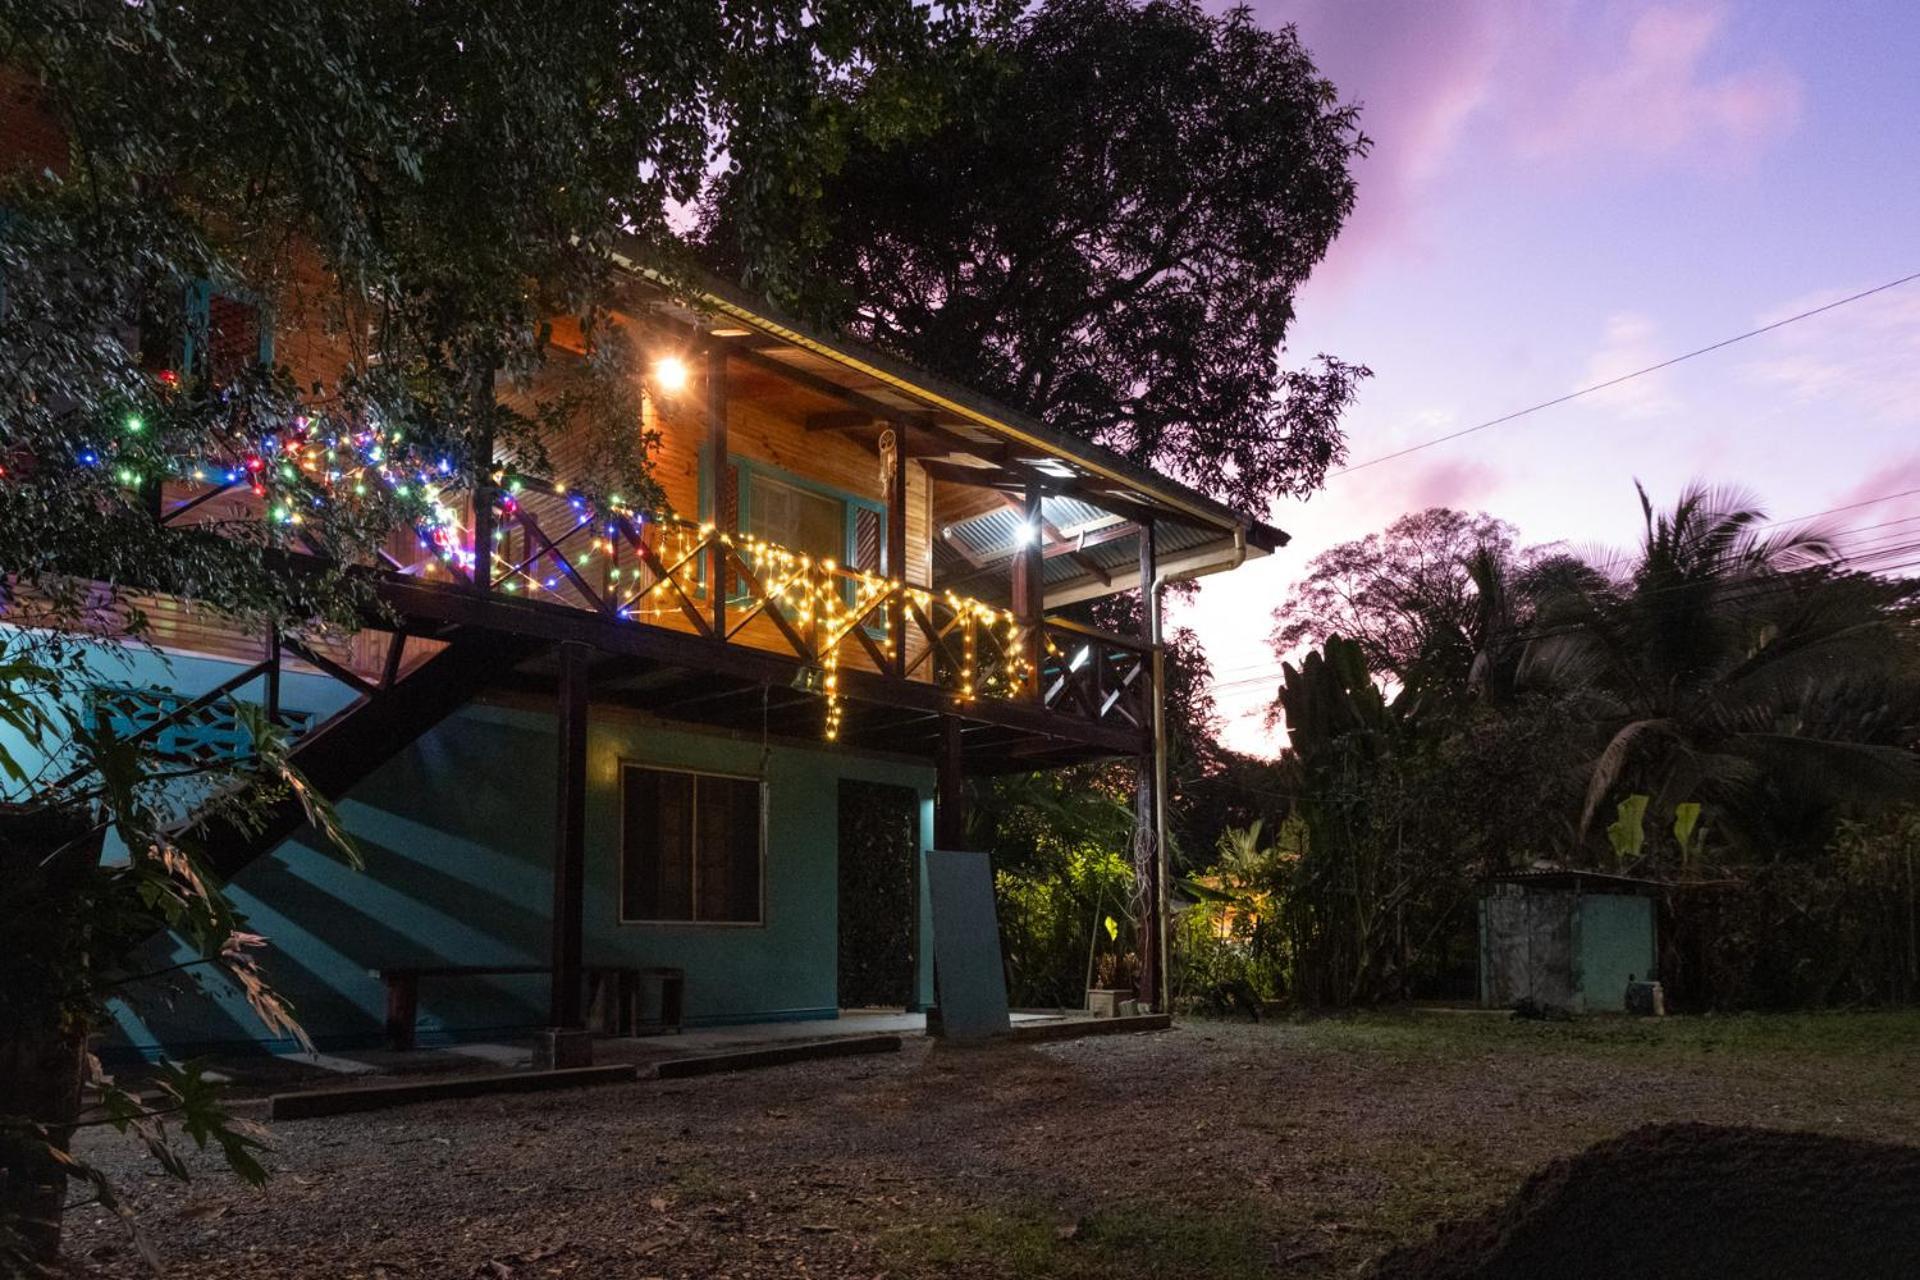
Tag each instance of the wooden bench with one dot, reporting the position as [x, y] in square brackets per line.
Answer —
[613, 995]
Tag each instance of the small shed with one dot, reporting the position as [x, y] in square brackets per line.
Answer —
[1568, 939]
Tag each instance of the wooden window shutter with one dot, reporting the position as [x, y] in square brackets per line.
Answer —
[233, 338]
[226, 335]
[866, 539]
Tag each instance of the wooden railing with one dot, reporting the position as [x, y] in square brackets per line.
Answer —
[631, 566]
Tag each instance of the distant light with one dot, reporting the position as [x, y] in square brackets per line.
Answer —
[670, 372]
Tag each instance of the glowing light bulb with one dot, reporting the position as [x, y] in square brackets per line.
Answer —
[670, 374]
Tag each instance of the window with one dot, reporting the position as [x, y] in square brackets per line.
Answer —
[691, 846]
[226, 335]
[798, 519]
[814, 520]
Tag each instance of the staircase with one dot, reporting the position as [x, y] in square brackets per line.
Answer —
[382, 722]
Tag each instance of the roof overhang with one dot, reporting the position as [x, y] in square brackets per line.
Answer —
[965, 438]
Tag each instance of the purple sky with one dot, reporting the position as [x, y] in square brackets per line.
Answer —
[1562, 192]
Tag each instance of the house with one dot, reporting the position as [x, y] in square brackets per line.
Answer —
[710, 736]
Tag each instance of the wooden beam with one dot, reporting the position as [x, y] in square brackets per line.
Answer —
[1015, 479]
[1147, 805]
[961, 549]
[839, 420]
[1029, 592]
[950, 788]
[1059, 544]
[720, 513]
[896, 567]
[420, 603]
[570, 838]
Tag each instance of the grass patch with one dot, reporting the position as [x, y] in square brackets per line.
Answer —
[1146, 1240]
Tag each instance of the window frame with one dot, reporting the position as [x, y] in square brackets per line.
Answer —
[621, 918]
[199, 321]
[851, 503]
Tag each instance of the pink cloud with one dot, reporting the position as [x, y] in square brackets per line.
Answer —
[1462, 485]
[1419, 73]
[1656, 97]
[1599, 83]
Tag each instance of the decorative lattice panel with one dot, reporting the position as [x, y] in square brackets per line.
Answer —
[205, 735]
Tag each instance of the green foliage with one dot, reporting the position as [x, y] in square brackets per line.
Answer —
[1231, 948]
[1628, 832]
[1104, 225]
[411, 185]
[1062, 870]
[1732, 693]
[1688, 834]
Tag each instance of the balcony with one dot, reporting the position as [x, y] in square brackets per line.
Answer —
[831, 632]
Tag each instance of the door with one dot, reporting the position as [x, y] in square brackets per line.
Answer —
[879, 894]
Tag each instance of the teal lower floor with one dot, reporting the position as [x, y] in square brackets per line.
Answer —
[456, 836]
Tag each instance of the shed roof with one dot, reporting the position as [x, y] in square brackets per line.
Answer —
[1566, 878]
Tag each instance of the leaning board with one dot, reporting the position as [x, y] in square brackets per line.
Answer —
[972, 985]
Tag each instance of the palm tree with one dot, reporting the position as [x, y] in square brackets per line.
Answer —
[1736, 663]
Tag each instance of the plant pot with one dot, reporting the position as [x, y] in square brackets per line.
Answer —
[1104, 1002]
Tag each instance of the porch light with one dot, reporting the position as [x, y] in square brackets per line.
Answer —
[1024, 533]
[670, 372]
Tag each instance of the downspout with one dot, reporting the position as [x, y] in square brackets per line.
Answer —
[1231, 559]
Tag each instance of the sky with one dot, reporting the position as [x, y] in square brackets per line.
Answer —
[1562, 192]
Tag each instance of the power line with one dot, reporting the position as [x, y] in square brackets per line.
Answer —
[1625, 377]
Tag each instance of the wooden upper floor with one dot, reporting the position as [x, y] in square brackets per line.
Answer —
[818, 501]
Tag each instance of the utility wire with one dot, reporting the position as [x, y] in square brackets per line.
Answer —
[1625, 377]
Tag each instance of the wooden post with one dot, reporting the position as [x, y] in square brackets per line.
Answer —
[1029, 589]
[483, 488]
[950, 795]
[1148, 800]
[569, 837]
[896, 566]
[273, 672]
[725, 514]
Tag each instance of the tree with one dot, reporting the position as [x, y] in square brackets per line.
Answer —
[1741, 665]
[1409, 596]
[1106, 228]
[428, 183]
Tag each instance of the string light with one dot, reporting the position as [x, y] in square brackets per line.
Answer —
[677, 564]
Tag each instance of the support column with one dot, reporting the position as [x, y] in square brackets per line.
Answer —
[950, 795]
[1029, 590]
[724, 512]
[1150, 803]
[897, 551]
[483, 487]
[569, 840]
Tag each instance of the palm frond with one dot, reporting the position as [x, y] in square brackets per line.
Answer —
[1612, 763]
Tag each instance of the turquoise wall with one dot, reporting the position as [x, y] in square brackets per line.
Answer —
[1615, 943]
[457, 835]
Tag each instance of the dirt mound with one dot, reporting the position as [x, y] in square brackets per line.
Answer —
[1693, 1200]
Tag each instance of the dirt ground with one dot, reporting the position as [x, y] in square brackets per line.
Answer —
[1215, 1149]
